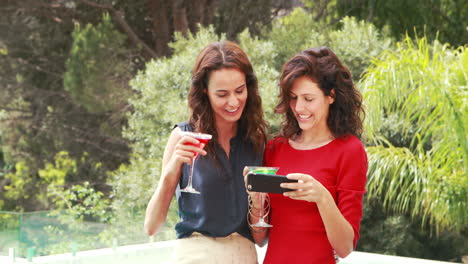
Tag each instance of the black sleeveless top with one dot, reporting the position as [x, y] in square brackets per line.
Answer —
[221, 208]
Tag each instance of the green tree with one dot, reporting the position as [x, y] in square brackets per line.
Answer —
[441, 19]
[65, 91]
[417, 126]
[234, 16]
[323, 11]
[38, 117]
[88, 79]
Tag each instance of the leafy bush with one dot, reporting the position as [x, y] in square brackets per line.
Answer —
[356, 43]
[398, 234]
[291, 34]
[78, 208]
[79, 219]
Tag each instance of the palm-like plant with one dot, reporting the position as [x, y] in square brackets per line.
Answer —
[417, 123]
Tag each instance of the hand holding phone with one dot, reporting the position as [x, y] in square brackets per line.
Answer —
[269, 183]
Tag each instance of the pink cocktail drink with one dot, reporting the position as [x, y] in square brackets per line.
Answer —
[203, 139]
[202, 144]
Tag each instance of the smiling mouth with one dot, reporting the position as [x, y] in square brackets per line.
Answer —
[233, 110]
[304, 117]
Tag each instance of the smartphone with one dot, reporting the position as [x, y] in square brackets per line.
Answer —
[269, 183]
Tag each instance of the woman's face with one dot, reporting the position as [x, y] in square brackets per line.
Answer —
[309, 104]
[227, 92]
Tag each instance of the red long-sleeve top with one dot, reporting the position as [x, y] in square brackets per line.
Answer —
[298, 233]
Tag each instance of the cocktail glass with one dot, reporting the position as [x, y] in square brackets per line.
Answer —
[264, 170]
[203, 139]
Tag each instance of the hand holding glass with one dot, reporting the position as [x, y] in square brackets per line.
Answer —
[261, 218]
[203, 139]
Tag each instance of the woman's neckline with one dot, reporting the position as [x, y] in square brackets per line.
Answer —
[319, 146]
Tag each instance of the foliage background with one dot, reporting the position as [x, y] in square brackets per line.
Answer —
[91, 89]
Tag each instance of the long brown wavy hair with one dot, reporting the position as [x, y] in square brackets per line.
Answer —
[220, 55]
[322, 66]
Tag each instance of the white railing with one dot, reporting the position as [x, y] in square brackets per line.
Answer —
[160, 252]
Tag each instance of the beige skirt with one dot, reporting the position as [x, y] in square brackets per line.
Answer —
[211, 250]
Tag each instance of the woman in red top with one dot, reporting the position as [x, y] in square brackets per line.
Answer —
[319, 146]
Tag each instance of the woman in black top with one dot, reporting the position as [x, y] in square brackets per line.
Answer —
[225, 103]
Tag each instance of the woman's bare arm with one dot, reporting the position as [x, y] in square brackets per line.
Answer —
[175, 154]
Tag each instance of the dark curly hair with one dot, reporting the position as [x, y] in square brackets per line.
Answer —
[216, 56]
[322, 66]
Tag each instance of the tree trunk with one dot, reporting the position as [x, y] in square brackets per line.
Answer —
[195, 14]
[161, 12]
[179, 14]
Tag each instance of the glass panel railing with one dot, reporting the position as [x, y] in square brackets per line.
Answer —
[161, 252]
